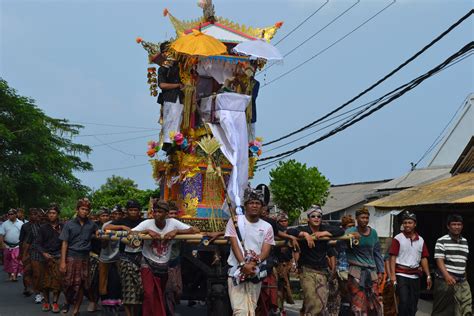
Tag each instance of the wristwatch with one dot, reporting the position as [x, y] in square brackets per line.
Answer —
[241, 264]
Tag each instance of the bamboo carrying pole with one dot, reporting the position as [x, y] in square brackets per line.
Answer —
[201, 238]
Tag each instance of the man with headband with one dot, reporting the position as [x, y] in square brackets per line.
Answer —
[250, 247]
[366, 268]
[408, 260]
[313, 262]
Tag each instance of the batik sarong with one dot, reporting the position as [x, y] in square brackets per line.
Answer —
[51, 275]
[132, 288]
[174, 288]
[77, 276]
[314, 284]
[11, 263]
[93, 292]
[37, 268]
[364, 299]
[284, 287]
[334, 298]
[27, 271]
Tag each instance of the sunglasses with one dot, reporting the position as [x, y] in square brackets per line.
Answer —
[315, 216]
[283, 220]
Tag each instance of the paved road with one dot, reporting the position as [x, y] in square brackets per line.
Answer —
[13, 303]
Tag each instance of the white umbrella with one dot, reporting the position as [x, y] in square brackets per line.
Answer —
[258, 48]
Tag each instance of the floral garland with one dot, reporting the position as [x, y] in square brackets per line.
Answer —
[255, 146]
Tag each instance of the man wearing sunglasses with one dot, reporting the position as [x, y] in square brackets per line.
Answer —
[313, 260]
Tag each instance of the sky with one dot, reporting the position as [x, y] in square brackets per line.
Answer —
[79, 60]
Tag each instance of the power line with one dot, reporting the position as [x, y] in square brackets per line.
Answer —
[302, 22]
[377, 83]
[315, 33]
[107, 134]
[120, 168]
[439, 138]
[413, 84]
[122, 140]
[327, 48]
[119, 150]
[114, 125]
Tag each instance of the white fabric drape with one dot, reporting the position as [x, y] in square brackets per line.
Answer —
[231, 132]
[220, 71]
[172, 117]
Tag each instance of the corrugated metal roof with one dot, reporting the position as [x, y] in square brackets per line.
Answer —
[345, 195]
[458, 189]
[417, 177]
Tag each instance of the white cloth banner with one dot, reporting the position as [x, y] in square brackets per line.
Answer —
[220, 71]
[172, 117]
[231, 132]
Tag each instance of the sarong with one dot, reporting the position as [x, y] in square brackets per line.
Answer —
[174, 288]
[284, 287]
[77, 276]
[11, 263]
[172, 117]
[27, 272]
[93, 292]
[243, 297]
[334, 298]
[314, 284]
[51, 276]
[364, 299]
[110, 289]
[268, 299]
[37, 275]
[132, 288]
[388, 295]
[153, 293]
[451, 300]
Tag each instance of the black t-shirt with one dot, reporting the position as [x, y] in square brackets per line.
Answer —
[132, 223]
[170, 75]
[316, 257]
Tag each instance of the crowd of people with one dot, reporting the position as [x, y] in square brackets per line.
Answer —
[143, 276]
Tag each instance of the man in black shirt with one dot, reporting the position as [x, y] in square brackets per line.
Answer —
[171, 96]
[49, 246]
[130, 260]
[313, 260]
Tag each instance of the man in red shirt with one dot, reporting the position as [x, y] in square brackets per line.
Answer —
[408, 261]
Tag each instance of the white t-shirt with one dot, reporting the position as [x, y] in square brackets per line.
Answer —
[254, 236]
[156, 250]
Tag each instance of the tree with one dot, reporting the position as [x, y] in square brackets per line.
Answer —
[295, 187]
[118, 190]
[37, 154]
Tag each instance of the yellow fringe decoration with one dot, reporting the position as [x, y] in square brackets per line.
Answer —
[188, 106]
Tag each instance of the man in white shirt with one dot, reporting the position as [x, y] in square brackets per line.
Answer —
[248, 253]
[10, 243]
[156, 255]
[408, 260]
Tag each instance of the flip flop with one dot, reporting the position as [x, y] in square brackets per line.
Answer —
[65, 308]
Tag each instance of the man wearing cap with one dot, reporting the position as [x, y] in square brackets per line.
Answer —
[313, 260]
[250, 247]
[452, 294]
[408, 259]
[130, 260]
[366, 268]
[156, 255]
[10, 243]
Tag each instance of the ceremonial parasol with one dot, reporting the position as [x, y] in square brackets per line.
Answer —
[258, 48]
[198, 44]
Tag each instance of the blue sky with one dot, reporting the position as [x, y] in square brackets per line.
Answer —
[78, 59]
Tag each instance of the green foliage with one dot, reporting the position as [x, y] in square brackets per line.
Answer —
[118, 190]
[37, 154]
[296, 187]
